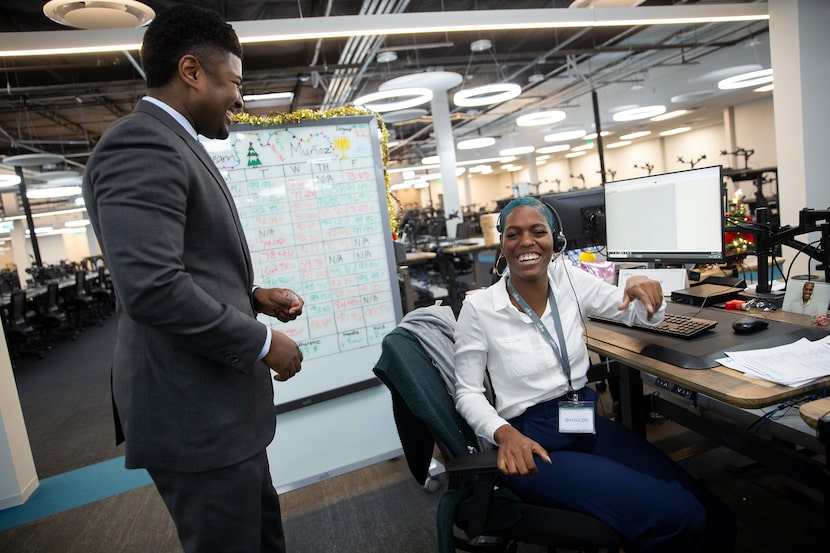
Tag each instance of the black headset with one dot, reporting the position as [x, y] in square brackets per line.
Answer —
[559, 240]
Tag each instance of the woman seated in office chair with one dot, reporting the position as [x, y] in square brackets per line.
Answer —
[526, 331]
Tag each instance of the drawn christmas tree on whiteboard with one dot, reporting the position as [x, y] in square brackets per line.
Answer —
[253, 157]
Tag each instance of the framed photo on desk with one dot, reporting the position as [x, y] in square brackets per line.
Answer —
[806, 297]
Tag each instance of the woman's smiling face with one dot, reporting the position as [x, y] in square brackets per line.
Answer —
[527, 243]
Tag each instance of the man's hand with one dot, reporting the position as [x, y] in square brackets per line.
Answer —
[516, 452]
[282, 303]
[284, 356]
[648, 291]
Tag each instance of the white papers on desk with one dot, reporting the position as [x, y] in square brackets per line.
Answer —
[793, 364]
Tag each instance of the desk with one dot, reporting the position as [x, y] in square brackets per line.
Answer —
[718, 404]
[481, 273]
[813, 411]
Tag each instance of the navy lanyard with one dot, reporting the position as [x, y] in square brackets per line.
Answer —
[540, 326]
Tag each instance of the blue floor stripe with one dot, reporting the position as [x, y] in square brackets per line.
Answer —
[75, 488]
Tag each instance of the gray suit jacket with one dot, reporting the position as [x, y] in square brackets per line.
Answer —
[190, 393]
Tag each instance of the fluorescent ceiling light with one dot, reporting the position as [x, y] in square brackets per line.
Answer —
[77, 223]
[517, 151]
[678, 130]
[268, 100]
[57, 192]
[313, 28]
[643, 112]
[486, 95]
[670, 115]
[416, 97]
[753, 78]
[541, 118]
[553, 149]
[619, 144]
[587, 146]
[542, 158]
[575, 154]
[633, 135]
[475, 143]
[765, 88]
[431, 160]
[564, 136]
[514, 168]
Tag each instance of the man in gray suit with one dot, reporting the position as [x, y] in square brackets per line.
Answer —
[191, 380]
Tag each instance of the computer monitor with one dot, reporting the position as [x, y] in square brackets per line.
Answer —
[666, 219]
[582, 215]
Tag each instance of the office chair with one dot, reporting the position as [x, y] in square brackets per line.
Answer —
[491, 517]
[23, 338]
[80, 304]
[102, 293]
[52, 318]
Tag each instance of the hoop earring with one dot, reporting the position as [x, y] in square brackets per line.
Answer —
[500, 258]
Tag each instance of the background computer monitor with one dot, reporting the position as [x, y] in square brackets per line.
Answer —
[582, 214]
[666, 219]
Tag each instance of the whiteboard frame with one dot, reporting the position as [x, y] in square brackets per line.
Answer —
[347, 372]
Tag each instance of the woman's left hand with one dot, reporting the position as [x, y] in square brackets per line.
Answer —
[648, 291]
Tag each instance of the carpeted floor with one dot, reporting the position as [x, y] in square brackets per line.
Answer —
[379, 508]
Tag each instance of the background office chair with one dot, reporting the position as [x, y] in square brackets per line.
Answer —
[23, 337]
[491, 517]
[51, 317]
[80, 304]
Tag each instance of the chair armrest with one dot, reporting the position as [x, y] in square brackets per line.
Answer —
[483, 462]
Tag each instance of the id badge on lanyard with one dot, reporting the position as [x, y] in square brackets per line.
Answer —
[576, 417]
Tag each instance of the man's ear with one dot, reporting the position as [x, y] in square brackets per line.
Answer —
[190, 70]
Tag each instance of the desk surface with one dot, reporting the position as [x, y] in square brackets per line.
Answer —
[719, 382]
[811, 412]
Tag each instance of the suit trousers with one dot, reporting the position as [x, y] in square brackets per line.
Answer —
[620, 478]
[233, 509]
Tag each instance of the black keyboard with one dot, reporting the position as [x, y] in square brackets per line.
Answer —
[680, 326]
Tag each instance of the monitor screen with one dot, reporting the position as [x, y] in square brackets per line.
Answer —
[666, 219]
[582, 215]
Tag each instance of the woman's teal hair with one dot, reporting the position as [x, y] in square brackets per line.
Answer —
[527, 201]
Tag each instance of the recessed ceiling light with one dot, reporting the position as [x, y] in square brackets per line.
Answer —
[475, 143]
[753, 78]
[517, 151]
[670, 115]
[92, 14]
[541, 118]
[678, 130]
[633, 135]
[643, 112]
[691, 96]
[553, 149]
[564, 136]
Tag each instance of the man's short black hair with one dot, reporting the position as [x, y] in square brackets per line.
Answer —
[180, 30]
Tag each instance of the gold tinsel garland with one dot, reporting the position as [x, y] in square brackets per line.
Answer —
[295, 117]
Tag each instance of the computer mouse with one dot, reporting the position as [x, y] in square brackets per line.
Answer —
[748, 325]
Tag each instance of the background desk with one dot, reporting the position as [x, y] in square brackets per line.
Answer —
[717, 403]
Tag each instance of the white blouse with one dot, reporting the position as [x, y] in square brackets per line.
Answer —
[491, 333]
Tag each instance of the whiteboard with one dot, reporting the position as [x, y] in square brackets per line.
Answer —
[312, 201]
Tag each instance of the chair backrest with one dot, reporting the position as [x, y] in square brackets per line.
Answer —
[17, 313]
[52, 295]
[410, 374]
[80, 283]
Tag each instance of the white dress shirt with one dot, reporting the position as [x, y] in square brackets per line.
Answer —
[491, 333]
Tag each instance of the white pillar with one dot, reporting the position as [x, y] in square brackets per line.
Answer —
[799, 43]
[18, 477]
